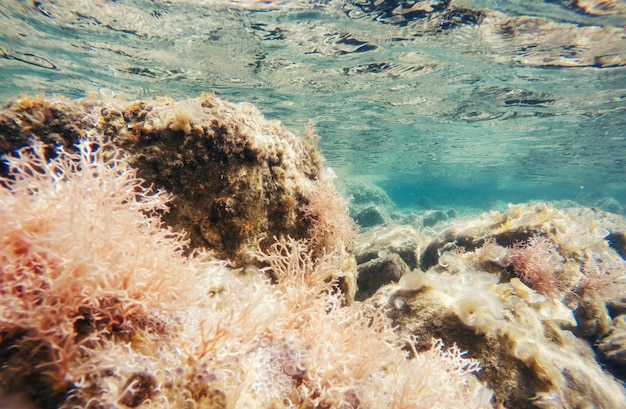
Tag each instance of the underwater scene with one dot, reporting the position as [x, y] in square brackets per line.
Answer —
[346, 204]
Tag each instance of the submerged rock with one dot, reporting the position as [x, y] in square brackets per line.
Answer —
[372, 275]
[523, 292]
[405, 241]
[612, 348]
[370, 217]
[369, 204]
[238, 180]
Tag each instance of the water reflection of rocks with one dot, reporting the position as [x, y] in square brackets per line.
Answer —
[528, 40]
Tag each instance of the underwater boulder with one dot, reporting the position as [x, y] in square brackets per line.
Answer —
[403, 240]
[370, 217]
[612, 348]
[521, 340]
[522, 292]
[239, 181]
[375, 273]
[364, 196]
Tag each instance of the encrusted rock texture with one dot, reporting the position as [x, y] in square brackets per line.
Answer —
[536, 294]
[238, 180]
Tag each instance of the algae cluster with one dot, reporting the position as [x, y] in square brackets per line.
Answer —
[124, 286]
[193, 254]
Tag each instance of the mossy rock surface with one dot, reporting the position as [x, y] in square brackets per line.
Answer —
[237, 179]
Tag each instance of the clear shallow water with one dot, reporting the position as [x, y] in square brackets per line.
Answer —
[464, 103]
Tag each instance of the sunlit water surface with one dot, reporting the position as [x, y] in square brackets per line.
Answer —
[452, 103]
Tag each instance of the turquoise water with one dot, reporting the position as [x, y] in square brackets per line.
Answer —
[443, 103]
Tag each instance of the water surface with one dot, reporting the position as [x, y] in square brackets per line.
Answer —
[464, 103]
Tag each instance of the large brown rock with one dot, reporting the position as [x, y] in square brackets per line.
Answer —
[238, 180]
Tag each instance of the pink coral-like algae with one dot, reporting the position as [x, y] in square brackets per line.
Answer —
[73, 273]
[102, 308]
[538, 263]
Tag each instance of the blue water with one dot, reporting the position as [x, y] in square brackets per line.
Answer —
[463, 104]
